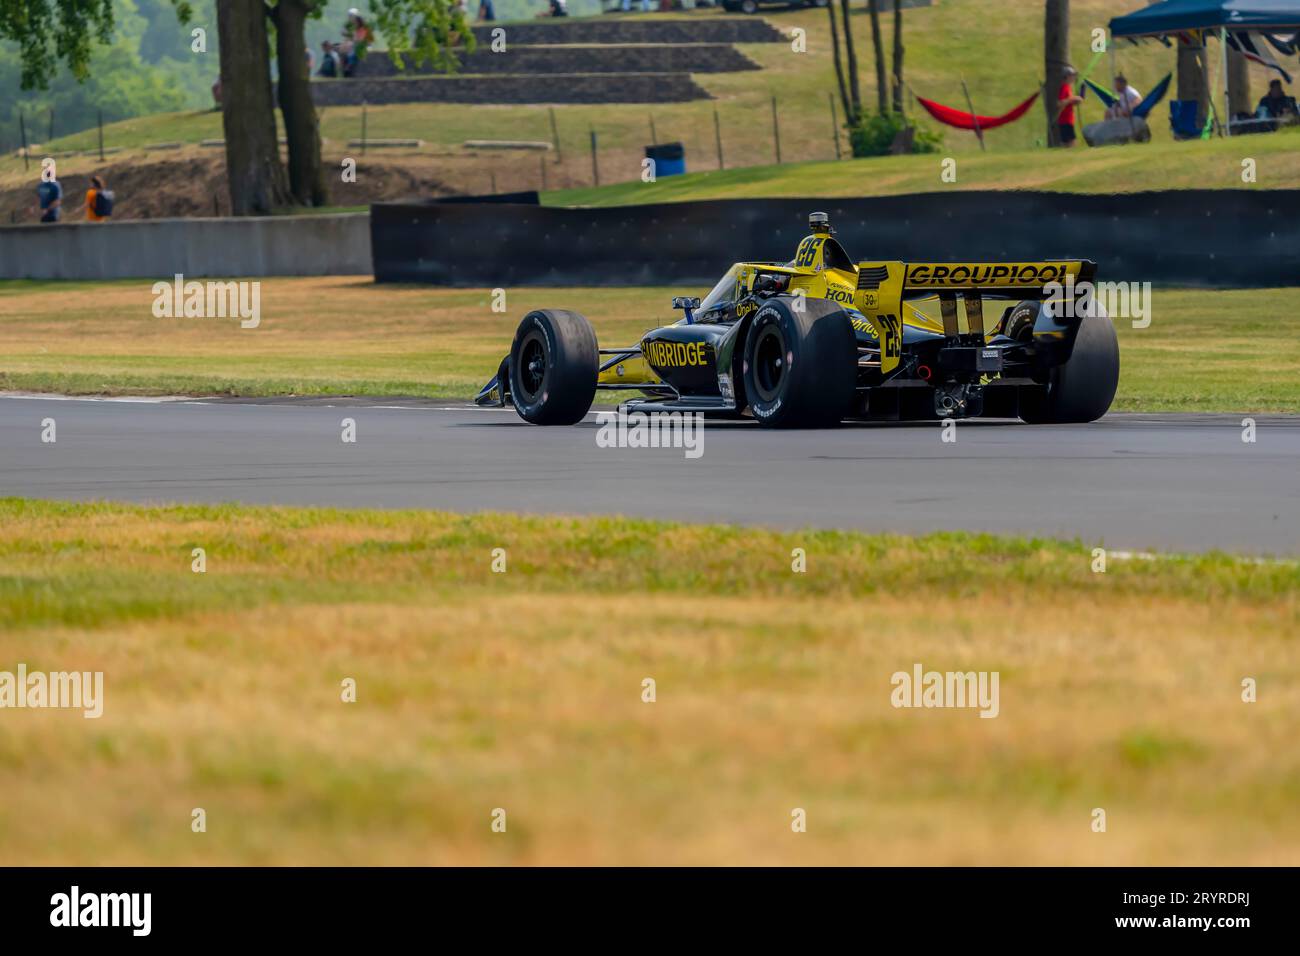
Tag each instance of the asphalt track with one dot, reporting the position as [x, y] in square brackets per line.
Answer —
[1133, 482]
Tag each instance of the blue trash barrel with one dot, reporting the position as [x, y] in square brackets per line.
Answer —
[670, 159]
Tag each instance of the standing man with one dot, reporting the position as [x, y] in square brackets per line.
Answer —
[1066, 101]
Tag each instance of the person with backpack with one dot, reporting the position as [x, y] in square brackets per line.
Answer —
[49, 195]
[99, 201]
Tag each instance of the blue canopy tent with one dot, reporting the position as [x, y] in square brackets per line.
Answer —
[1203, 17]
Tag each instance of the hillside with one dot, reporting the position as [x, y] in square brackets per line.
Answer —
[994, 44]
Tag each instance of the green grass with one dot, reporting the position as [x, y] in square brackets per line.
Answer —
[1216, 164]
[1205, 351]
[522, 690]
[996, 45]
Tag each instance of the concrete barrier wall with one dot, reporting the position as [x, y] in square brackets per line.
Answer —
[265, 246]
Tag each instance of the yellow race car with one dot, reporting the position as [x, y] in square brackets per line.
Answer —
[821, 339]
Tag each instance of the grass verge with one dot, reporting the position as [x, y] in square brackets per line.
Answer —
[523, 690]
[1205, 351]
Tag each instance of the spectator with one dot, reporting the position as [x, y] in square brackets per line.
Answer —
[1127, 99]
[216, 94]
[330, 65]
[359, 32]
[49, 195]
[99, 201]
[558, 8]
[486, 11]
[347, 57]
[627, 6]
[1066, 101]
[1275, 104]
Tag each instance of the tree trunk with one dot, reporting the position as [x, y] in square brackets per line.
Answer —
[1239, 83]
[882, 87]
[301, 127]
[898, 56]
[1191, 78]
[253, 172]
[850, 119]
[1056, 57]
[855, 94]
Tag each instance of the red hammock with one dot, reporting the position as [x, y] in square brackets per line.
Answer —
[963, 120]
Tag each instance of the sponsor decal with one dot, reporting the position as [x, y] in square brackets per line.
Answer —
[676, 354]
[1000, 274]
[839, 294]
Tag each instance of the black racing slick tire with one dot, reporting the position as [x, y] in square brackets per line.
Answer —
[554, 365]
[1081, 389]
[801, 364]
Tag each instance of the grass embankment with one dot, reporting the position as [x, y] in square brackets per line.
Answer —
[993, 44]
[522, 690]
[1204, 350]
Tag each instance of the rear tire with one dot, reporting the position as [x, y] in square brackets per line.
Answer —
[554, 364]
[800, 368]
[1082, 389]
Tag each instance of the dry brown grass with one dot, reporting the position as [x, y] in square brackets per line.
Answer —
[522, 691]
[1204, 350]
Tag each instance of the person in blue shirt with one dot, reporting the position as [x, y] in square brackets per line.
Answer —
[50, 195]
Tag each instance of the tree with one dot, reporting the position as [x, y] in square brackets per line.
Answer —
[882, 88]
[1191, 78]
[849, 117]
[898, 56]
[851, 57]
[1056, 57]
[293, 91]
[1239, 83]
[254, 175]
[46, 34]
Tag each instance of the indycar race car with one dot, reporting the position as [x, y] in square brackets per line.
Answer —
[820, 340]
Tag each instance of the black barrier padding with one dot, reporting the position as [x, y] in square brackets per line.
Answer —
[1220, 238]
[527, 198]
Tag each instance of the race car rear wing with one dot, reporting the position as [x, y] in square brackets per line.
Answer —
[884, 286]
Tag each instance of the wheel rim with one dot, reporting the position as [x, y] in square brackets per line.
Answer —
[532, 367]
[769, 363]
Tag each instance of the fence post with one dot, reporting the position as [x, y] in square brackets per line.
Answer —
[717, 133]
[22, 129]
[555, 137]
[595, 169]
[101, 136]
[776, 132]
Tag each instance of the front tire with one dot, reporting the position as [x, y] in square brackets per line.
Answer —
[554, 365]
[1081, 389]
[800, 367]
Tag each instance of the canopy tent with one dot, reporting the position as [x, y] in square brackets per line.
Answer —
[1177, 16]
[1247, 25]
